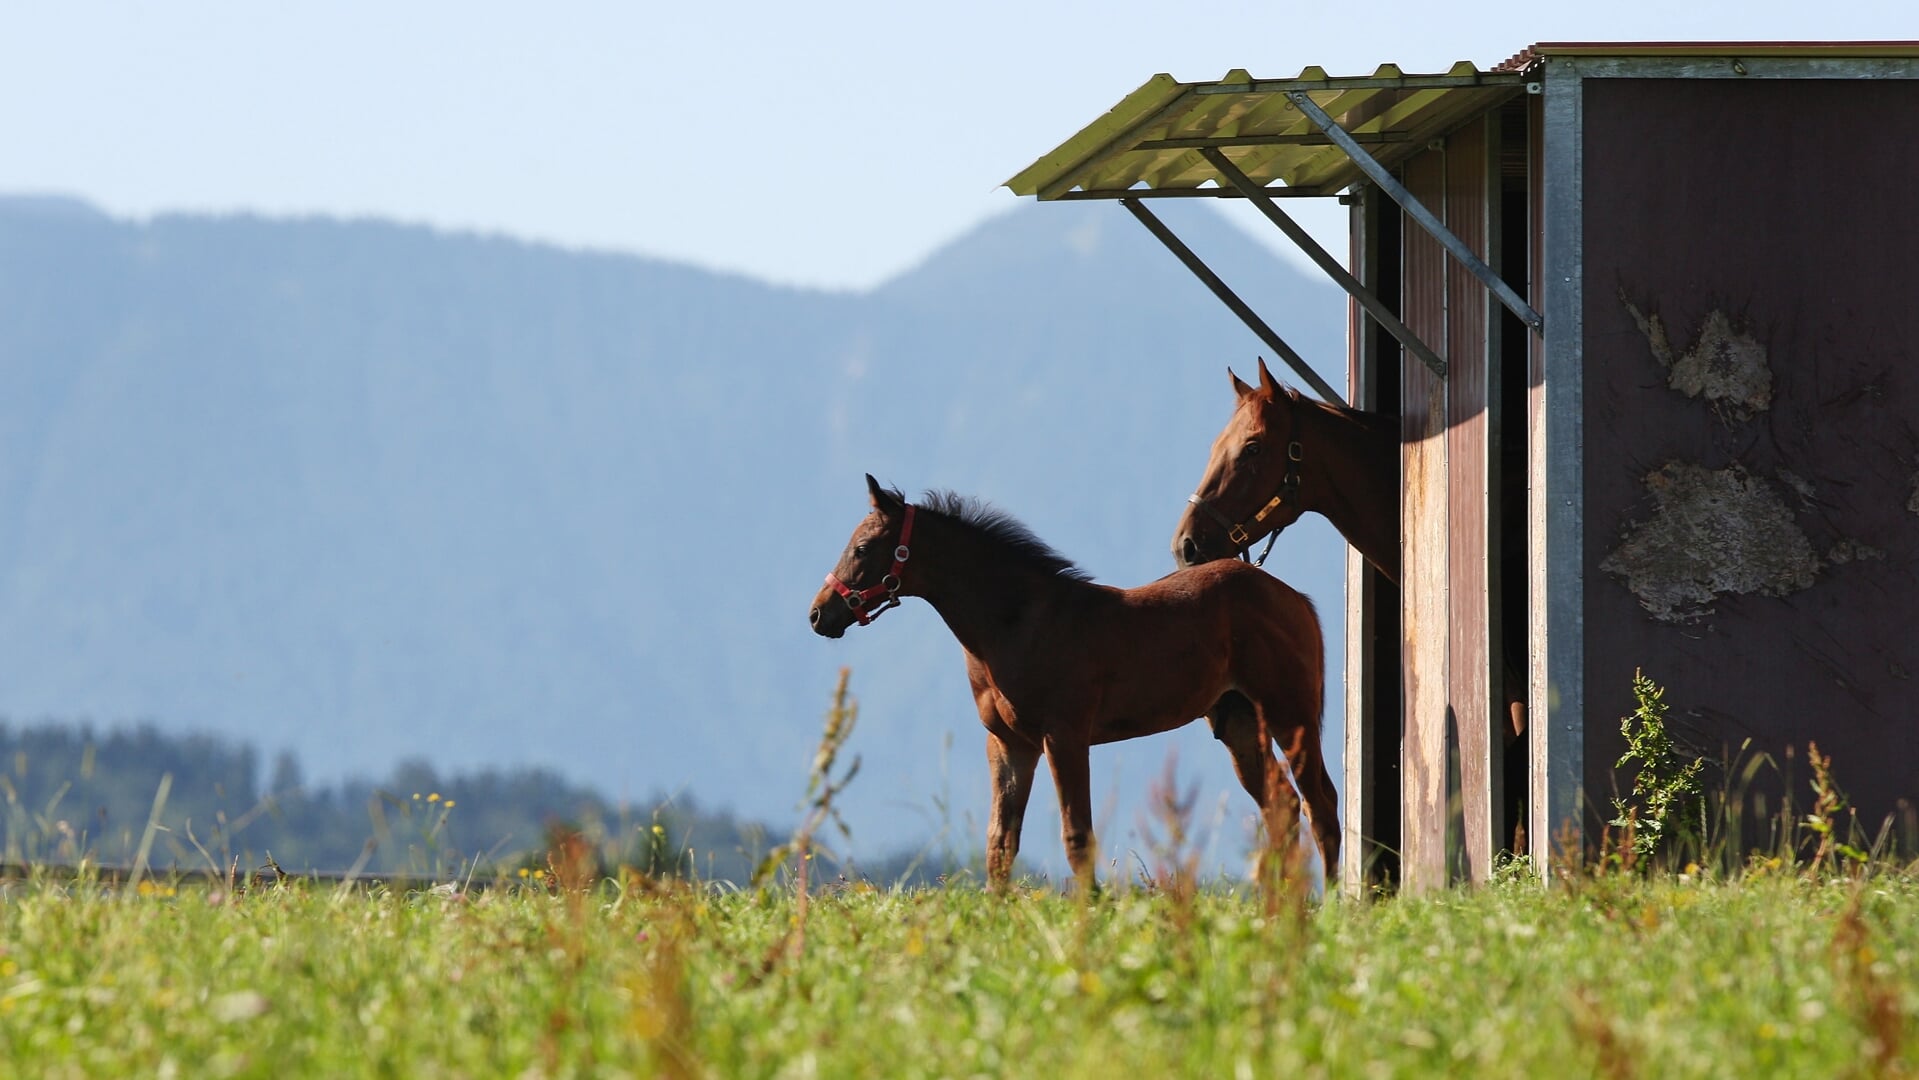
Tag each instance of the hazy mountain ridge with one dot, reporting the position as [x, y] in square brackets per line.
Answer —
[366, 491]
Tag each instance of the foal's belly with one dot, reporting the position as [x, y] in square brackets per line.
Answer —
[1132, 713]
[1117, 691]
[1123, 727]
[1118, 713]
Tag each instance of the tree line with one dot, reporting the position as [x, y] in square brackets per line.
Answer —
[72, 793]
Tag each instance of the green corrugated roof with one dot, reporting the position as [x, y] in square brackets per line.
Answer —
[1152, 138]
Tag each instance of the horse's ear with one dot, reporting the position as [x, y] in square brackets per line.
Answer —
[1266, 382]
[883, 500]
[1239, 386]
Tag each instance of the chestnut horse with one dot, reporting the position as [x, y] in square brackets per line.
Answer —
[1283, 455]
[1059, 664]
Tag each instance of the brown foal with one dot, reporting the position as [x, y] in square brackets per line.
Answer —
[1059, 664]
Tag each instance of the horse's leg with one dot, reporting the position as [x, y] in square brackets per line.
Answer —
[1011, 766]
[1516, 760]
[1300, 742]
[1513, 685]
[1236, 724]
[1072, 768]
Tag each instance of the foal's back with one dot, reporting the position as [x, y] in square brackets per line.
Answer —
[1238, 594]
[1266, 627]
[1181, 641]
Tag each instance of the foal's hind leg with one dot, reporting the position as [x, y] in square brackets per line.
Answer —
[1237, 725]
[1300, 742]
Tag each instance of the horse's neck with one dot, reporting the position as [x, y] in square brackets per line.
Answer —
[977, 589]
[1357, 488]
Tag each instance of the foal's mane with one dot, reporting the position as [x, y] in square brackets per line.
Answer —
[990, 522]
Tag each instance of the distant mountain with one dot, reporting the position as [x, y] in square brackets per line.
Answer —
[366, 493]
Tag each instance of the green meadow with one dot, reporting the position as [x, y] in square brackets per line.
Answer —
[1777, 973]
[1801, 962]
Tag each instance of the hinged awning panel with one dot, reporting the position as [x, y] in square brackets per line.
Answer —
[1152, 141]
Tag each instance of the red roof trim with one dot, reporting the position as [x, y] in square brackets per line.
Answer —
[1531, 55]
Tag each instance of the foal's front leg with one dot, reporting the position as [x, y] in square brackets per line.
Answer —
[1011, 765]
[1072, 768]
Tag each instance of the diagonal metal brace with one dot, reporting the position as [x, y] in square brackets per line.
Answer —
[1417, 211]
[1304, 240]
[1231, 299]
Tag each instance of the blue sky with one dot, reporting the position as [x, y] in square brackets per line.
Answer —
[825, 144]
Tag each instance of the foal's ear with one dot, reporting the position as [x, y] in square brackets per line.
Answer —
[1239, 386]
[1266, 381]
[883, 500]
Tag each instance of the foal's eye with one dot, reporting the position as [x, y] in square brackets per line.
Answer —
[859, 551]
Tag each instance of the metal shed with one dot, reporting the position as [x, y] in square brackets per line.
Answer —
[1646, 315]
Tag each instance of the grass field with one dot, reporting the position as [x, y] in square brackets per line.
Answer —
[1774, 975]
[1802, 964]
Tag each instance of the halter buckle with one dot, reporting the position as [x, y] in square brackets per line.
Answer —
[1238, 536]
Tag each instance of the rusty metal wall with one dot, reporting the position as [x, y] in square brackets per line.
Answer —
[1751, 456]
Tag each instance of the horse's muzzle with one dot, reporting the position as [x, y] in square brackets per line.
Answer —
[1186, 550]
[824, 624]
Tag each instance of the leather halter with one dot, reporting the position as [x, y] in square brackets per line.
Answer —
[1237, 533]
[889, 583]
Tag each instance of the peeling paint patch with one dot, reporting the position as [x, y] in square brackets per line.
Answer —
[1726, 366]
[1800, 486]
[1712, 533]
[1848, 550]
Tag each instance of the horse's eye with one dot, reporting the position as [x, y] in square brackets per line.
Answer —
[1251, 450]
[859, 551]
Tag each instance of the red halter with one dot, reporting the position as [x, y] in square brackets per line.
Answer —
[889, 586]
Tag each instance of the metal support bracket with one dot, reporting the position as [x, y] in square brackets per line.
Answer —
[1417, 211]
[1304, 240]
[1231, 299]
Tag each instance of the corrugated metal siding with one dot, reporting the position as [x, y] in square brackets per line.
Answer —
[1784, 205]
[1539, 814]
[1470, 186]
[1373, 767]
[1425, 537]
[1358, 811]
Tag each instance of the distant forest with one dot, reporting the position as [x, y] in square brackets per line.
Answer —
[74, 794]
